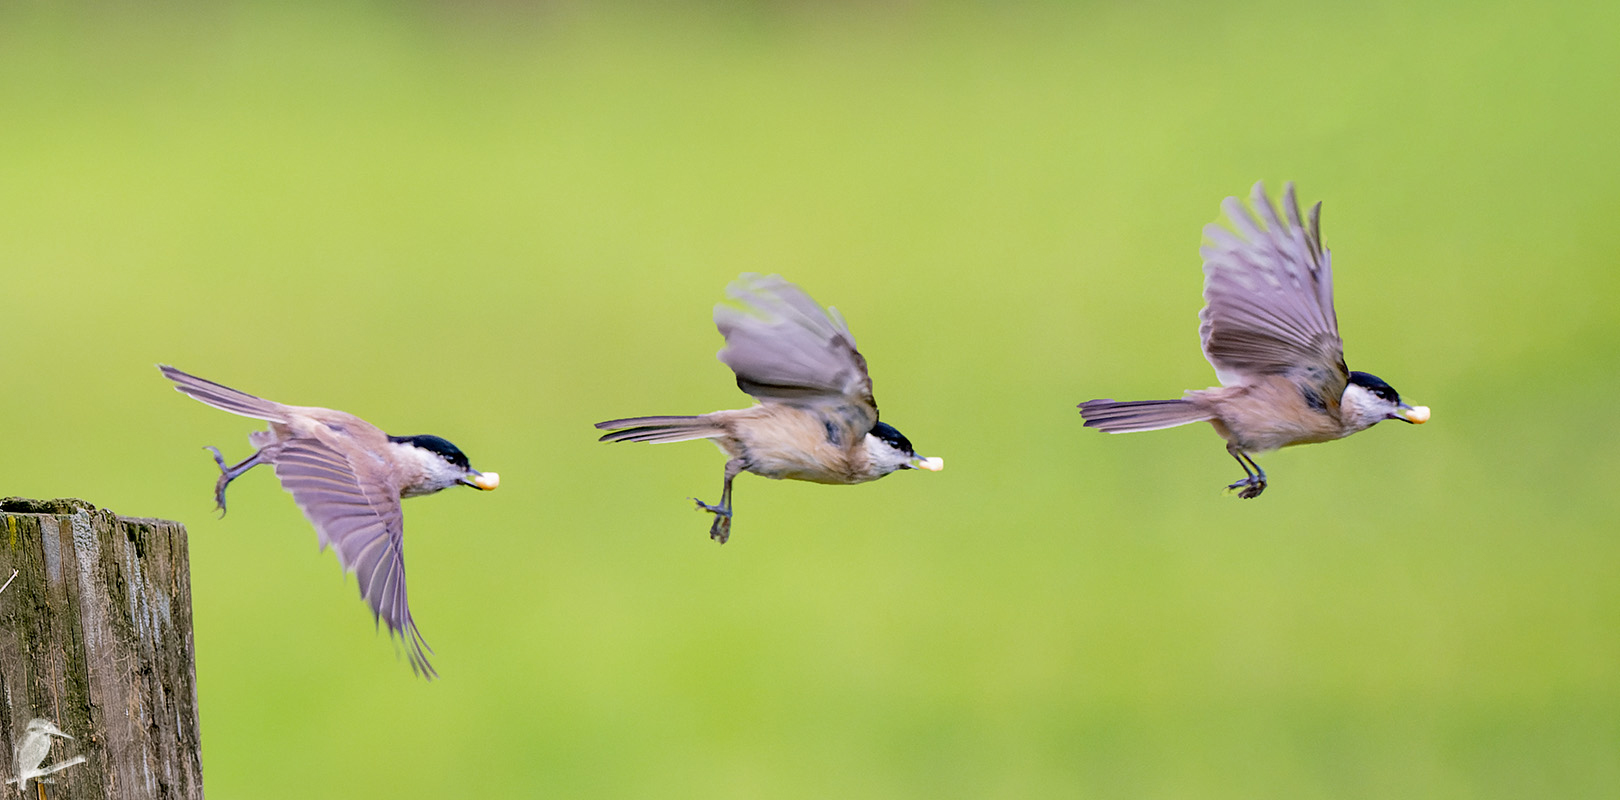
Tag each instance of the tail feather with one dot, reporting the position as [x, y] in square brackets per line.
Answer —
[224, 398]
[1115, 416]
[658, 429]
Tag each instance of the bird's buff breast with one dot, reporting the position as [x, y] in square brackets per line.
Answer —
[1271, 416]
[1263, 435]
[790, 446]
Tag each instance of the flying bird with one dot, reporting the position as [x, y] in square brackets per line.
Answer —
[348, 477]
[815, 419]
[1269, 329]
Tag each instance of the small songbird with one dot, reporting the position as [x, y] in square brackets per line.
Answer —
[815, 420]
[348, 478]
[1269, 329]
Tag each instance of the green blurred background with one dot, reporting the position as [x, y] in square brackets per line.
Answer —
[501, 224]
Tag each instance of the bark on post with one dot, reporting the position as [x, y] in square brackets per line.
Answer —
[95, 637]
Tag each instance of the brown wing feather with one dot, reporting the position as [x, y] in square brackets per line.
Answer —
[362, 521]
[785, 348]
[1268, 297]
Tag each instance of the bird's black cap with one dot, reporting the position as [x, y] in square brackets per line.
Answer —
[1376, 385]
[896, 439]
[444, 448]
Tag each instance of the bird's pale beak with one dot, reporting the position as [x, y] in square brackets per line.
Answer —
[486, 481]
[934, 464]
[1417, 415]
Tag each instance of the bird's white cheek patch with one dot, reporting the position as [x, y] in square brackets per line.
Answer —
[934, 464]
[487, 481]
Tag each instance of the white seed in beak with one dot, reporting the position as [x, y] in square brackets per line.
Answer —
[487, 480]
[934, 464]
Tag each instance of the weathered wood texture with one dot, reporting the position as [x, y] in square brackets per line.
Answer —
[95, 636]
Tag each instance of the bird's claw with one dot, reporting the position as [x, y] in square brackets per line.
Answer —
[224, 480]
[719, 511]
[1248, 488]
[219, 458]
[720, 531]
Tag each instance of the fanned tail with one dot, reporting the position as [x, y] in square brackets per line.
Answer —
[1115, 416]
[658, 429]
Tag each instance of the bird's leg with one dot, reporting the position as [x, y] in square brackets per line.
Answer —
[228, 474]
[720, 531]
[1251, 486]
[1259, 474]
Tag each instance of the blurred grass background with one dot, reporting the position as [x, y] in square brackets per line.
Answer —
[501, 224]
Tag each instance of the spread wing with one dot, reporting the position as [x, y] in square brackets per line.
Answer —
[360, 517]
[785, 348]
[1268, 297]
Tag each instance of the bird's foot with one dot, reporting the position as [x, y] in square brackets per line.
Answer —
[224, 480]
[720, 531]
[1249, 488]
[719, 511]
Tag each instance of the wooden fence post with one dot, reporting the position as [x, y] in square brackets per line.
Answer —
[95, 638]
